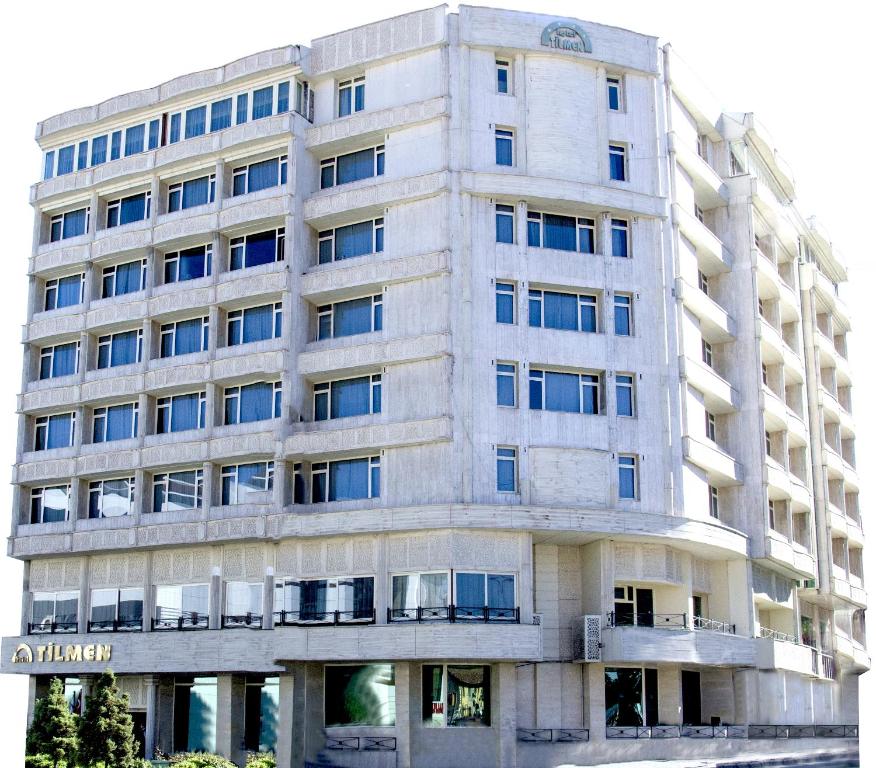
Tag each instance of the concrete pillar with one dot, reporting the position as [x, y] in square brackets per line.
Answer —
[407, 702]
[37, 687]
[164, 716]
[594, 688]
[291, 722]
[229, 716]
[216, 599]
[87, 682]
[506, 714]
[150, 682]
[669, 695]
[268, 599]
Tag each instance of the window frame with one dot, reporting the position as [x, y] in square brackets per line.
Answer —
[233, 471]
[170, 330]
[237, 247]
[102, 413]
[506, 370]
[177, 189]
[356, 87]
[235, 393]
[501, 289]
[41, 429]
[39, 492]
[446, 705]
[172, 260]
[108, 277]
[504, 65]
[628, 383]
[582, 224]
[378, 166]
[621, 226]
[623, 307]
[508, 454]
[324, 311]
[587, 380]
[59, 220]
[114, 210]
[106, 342]
[97, 487]
[235, 321]
[616, 83]
[628, 463]
[323, 391]
[54, 284]
[617, 149]
[504, 212]
[714, 503]
[48, 353]
[166, 404]
[243, 172]
[504, 136]
[164, 479]
[328, 237]
[588, 300]
[324, 468]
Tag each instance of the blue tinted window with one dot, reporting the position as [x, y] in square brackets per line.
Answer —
[98, 150]
[283, 97]
[65, 160]
[352, 317]
[220, 115]
[360, 97]
[154, 133]
[196, 192]
[619, 238]
[504, 147]
[354, 240]
[120, 423]
[504, 303]
[263, 175]
[348, 479]
[355, 166]
[74, 223]
[504, 223]
[124, 349]
[242, 108]
[49, 167]
[617, 164]
[351, 397]
[116, 145]
[559, 232]
[133, 209]
[263, 102]
[69, 291]
[134, 138]
[258, 249]
[175, 127]
[82, 157]
[63, 360]
[196, 122]
[506, 482]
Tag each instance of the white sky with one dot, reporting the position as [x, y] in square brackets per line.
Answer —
[806, 69]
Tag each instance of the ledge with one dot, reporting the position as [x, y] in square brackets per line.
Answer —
[325, 443]
[685, 646]
[352, 358]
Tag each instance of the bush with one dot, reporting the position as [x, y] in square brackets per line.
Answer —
[261, 760]
[199, 760]
[38, 761]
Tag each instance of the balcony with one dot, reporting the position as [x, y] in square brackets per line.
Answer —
[710, 250]
[718, 394]
[170, 619]
[709, 188]
[53, 628]
[454, 614]
[242, 621]
[777, 650]
[722, 468]
[116, 625]
[315, 618]
[716, 326]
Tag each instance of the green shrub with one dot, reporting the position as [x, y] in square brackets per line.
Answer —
[261, 760]
[199, 760]
[39, 761]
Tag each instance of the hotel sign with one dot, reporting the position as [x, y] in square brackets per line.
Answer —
[56, 652]
[566, 36]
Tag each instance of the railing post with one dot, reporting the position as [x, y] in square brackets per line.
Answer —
[419, 613]
[337, 617]
[684, 620]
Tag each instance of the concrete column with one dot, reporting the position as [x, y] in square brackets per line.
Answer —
[33, 298]
[506, 716]
[407, 702]
[225, 717]
[669, 695]
[219, 260]
[594, 687]
[164, 716]
[142, 496]
[76, 504]
[150, 682]
[268, 600]
[213, 331]
[281, 470]
[291, 722]
[216, 599]
[151, 258]
[87, 682]
[84, 595]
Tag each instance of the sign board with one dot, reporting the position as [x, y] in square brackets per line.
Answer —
[566, 36]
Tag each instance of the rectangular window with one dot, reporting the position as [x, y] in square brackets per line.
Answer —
[66, 156]
[258, 248]
[59, 360]
[124, 348]
[116, 610]
[98, 150]
[506, 384]
[175, 127]
[111, 498]
[64, 292]
[504, 146]
[504, 223]
[564, 392]
[121, 279]
[506, 470]
[626, 477]
[347, 397]
[261, 713]
[263, 102]
[703, 281]
[135, 139]
[82, 155]
[345, 480]
[253, 402]
[179, 413]
[428, 592]
[50, 504]
[220, 115]
[351, 167]
[174, 491]
[54, 612]
[620, 238]
[196, 122]
[563, 233]
[242, 108]
[630, 697]
[69, 224]
[360, 695]
[182, 605]
[115, 422]
[115, 145]
[49, 165]
[480, 596]
[347, 242]
[614, 84]
[154, 133]
[282, 97]
[127, 210]
[707, 353]
[255, 324]
[57, 431]
[623, 311]
[247, 483]
[191, 193]
[321, 601]
[711, 432]
[258, 176]
[188, 264]
[456, 696]
[562, 311]
[243, 604]
[617, 162]
[625, 394]
[351, 96]
[503, 76]
[185, 337]
[713, 502]
[505, 300]
[349, 318]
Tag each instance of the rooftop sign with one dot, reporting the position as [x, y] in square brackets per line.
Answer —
[57, 652]
[566, 36]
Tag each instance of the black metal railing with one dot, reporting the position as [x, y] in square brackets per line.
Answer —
[53, 628]
[363, 743]
[307, 618]
[172, 619]
[246, 620]
[713, 625]
[556, 735]
[454, 613]
[839, 731]
[648, 619]
[754, 731]
[116, 625]
[714, 731]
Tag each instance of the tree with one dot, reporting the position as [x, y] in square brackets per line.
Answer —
[53, 730]
[106, 730]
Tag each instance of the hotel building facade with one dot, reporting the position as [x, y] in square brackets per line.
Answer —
[464, 389]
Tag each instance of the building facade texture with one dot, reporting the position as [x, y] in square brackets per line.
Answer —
[465, 389]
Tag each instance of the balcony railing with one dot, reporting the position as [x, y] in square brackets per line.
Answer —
[650, 620]
[116, 625]
[713, 625]
[774, 634]
[713, 732]
[53, 628]
[823, 664]
[307, 618]
[802, 731]
[642, 731]
[363, 743]
[247, 620]
[549, 735]
[173, 619]
[454, 614]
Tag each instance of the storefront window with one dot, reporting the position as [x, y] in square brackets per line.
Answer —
[456, 696]
[194, 714]
[360, 695]
[630, 697]
[261, 713]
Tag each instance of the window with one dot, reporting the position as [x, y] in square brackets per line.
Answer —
[707, 353]
[243, 604]
[255, 324]
[63, 292]
[65, 160]
[262, 102]
[713, 502]
[135, 138]
[456, 696]
[175, 127]
[345, 480]
[763, 374]
[116, 609]
[111, 498]
[196, 122]
[617, 162]
[191, 193]
[428, 592]
[623, 306]
[127, 210]
[359, 695]
[220, 115]
[54, 612]
[258, 248]
[123, 348]
[341, 599]
[69, 224]
[173, 491]
[258, 176]
[506, 384]
[50, 504]
[614, 84]
[352, 240]
[627, 481]
[504, 223]
[349, 318]
[181, 412]
[184, 337]
[59, 360]
[282, 97]
[247, 483]
[154, 133]
[82, 156]
[120, 279]
[564, 392]
[703, 146]
[49, 165]
[253, 402]
[768, 443]
[261, 713]
[711, 433]
[347, 397]
[563, 233]
[115, 145]
[242, 108]
[351, 96]
[562, 311]
[698, 213]
[620, 238]
[506, 470]
[630, 697]
[55, 431]
[504, 146]
[115, 422]
[703, 281]
[505, 303]
[188, 264]
[480, 596]
[625, 394]
[182, 605]
[351, 167]
[98, 150]
[503, 76]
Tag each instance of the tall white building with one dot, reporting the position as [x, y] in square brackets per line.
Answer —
[464, 389]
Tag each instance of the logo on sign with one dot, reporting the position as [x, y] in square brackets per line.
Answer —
[566, 36]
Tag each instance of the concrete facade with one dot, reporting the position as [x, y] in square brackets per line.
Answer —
[722, 561]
